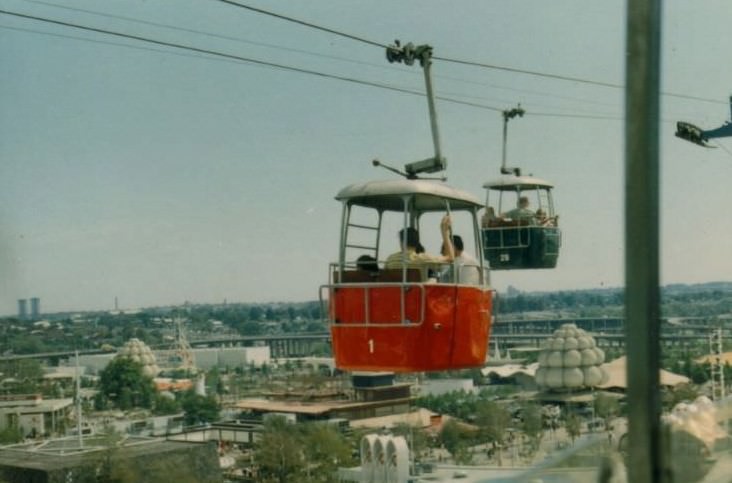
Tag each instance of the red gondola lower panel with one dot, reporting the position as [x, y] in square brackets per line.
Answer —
[444, 327]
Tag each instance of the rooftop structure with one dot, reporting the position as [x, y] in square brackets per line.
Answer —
[33, 415]
[374, 394]
[102, 457]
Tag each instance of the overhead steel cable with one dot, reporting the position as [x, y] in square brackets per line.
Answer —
[201, 32]
[568, 78]
[300, 51]
[115, 44]
[304, 23]
[464, 62]
[242, 59]
[273, 64]
[529, 72]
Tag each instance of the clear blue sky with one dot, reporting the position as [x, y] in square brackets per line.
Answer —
[160, 176]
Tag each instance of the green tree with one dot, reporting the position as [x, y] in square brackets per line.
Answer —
[255, 313]
[606, 407]
[493, 420]
[451, 437]
[28, 375]
[699, 373]
[532, 423]
[680, 393]
[573, 425]
[325, 450]
[279, 455]
[124, 383]
[416, 438]
[251, 328]
[165, 405]
[22, 369]
[199, 409]
[463, 455]
[11, 434]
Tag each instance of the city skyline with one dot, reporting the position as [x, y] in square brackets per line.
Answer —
[160, 176]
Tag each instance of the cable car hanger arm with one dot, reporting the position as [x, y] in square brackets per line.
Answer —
[407, 54]
[507, 115]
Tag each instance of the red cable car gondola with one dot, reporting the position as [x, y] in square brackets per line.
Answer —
[401, 319]
[397, 319]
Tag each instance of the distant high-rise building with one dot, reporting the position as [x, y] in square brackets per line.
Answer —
[22, 308]
[35, 307]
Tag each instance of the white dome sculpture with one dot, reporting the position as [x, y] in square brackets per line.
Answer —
[569, 359]
[138, 351]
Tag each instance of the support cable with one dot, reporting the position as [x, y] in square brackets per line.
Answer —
[222, 55]
[458, 61]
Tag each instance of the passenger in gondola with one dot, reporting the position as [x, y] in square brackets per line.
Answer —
[411, 255]
[489, 217]
[542, 219]
[466, 265]
[367, 263]
[522, 212]
[431, 272]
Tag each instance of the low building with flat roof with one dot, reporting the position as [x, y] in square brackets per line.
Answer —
[374, 395]
[105, 458]
[33, 415]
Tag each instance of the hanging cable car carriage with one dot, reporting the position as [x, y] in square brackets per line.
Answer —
[526, 235]
[406, 318]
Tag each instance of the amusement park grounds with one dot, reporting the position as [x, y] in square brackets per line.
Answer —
[515, 454]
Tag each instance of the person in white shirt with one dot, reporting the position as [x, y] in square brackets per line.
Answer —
[467, 266]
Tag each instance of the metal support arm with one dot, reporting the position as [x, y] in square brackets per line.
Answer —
[408, 54]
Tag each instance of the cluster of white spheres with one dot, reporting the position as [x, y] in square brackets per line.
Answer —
[570, 359]
[138, 351]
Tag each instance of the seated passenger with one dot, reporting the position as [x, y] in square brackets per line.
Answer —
[489, 217]
[367, 263]
[521, 212]
[467, 266]
[542, 219]
[410, 252]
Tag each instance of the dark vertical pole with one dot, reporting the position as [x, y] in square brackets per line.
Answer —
[646, 459]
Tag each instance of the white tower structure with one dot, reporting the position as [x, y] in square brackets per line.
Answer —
[183, 352]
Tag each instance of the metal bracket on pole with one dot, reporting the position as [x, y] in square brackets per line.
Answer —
[407, 54]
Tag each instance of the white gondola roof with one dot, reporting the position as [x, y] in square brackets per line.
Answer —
[389, 195]
[510, 183]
